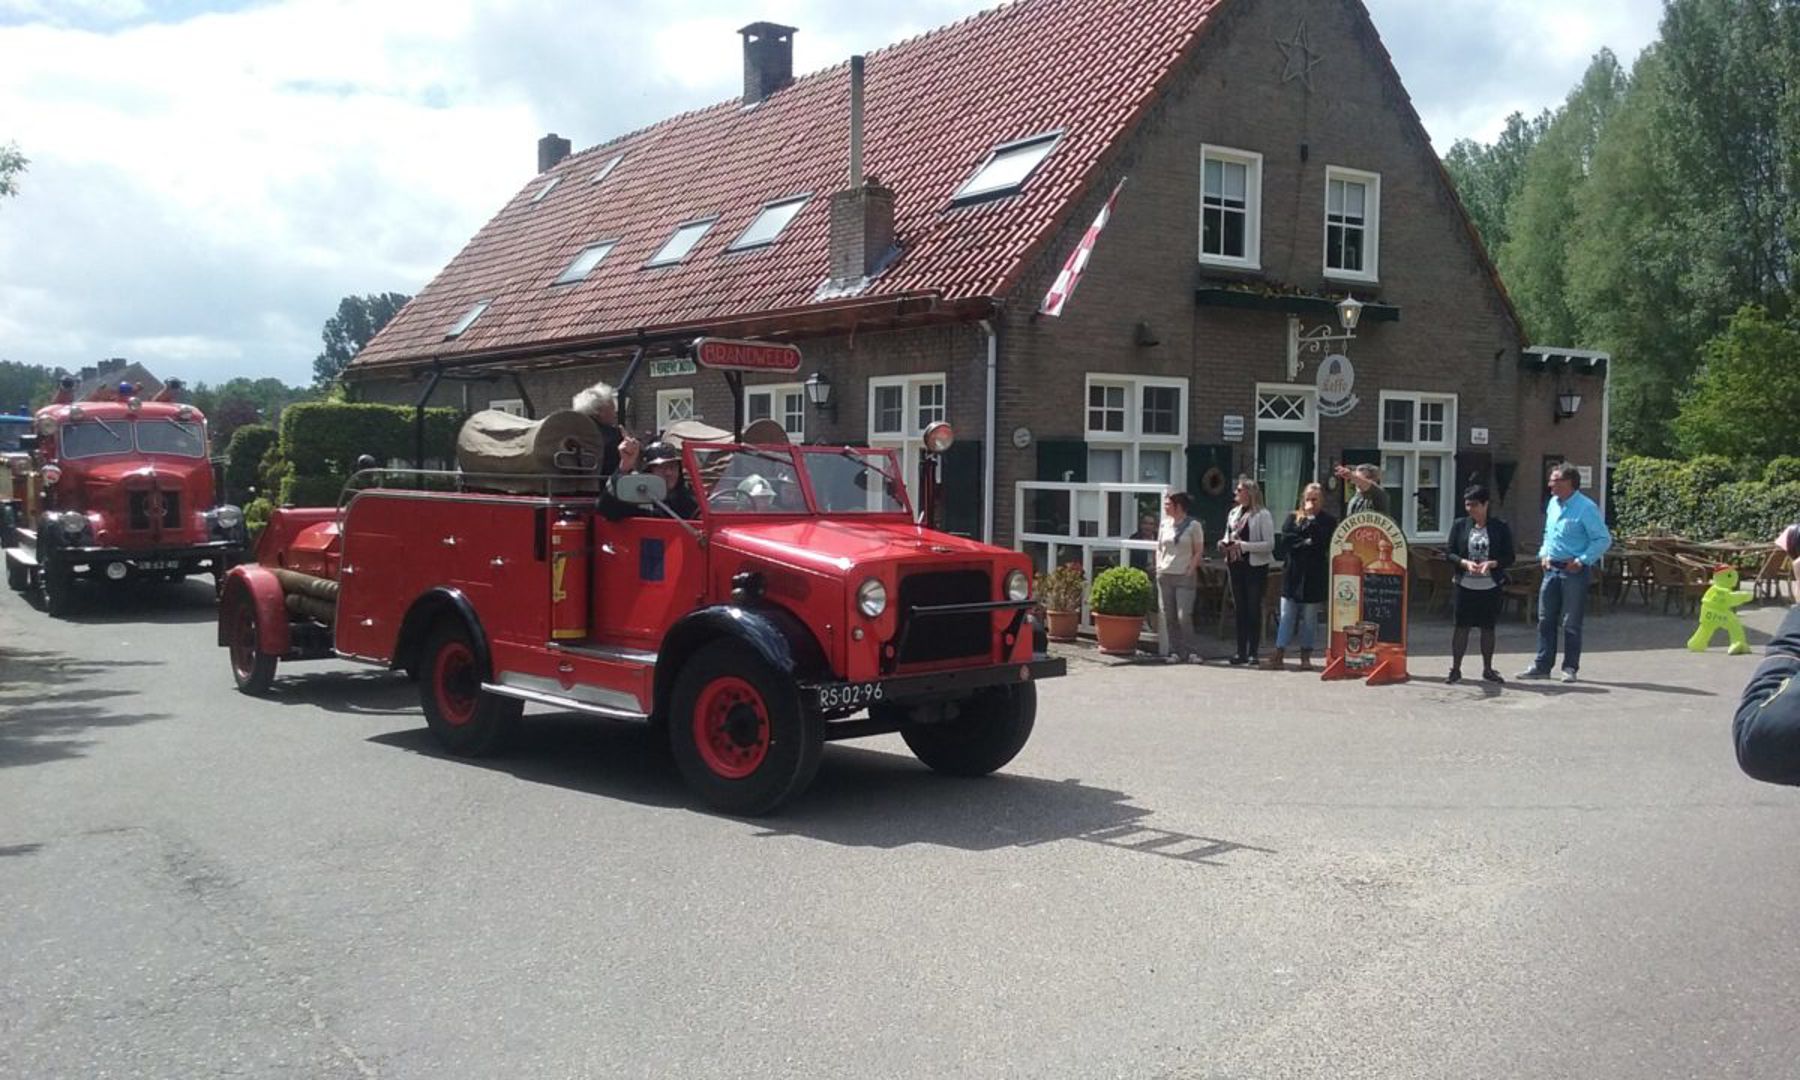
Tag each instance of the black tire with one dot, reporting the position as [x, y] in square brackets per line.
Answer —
[468, 722]
[57, 582]
[993, 728]
[18, 576]
[739, 733]
[251, 668]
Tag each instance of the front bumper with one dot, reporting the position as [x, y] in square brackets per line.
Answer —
[215, 555]
[847, 697]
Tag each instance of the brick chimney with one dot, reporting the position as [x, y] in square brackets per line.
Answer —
[552, 148]
[862, 215]
[768, 59]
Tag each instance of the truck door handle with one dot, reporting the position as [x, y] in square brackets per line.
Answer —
[496, 561]
[449, 541]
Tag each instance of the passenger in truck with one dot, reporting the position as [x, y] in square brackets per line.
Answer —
[618, 450]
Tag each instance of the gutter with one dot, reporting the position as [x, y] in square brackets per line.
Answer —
[993, 420]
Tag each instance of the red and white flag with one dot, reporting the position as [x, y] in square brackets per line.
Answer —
[1078, 259]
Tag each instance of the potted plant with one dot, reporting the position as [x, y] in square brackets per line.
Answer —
[1060, 592]
[1120, 599]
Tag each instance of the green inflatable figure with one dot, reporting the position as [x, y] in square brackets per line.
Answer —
[1716, 613]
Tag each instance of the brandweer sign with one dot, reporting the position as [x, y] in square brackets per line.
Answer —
[723, 354]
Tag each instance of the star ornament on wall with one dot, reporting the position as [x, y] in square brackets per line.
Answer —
[1298, 57]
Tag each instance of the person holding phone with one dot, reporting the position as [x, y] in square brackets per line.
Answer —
[1481, 547]
[1766, 730]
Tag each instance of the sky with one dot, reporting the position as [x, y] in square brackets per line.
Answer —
[209, 177]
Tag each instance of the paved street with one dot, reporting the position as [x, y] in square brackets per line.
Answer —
[1189, 873]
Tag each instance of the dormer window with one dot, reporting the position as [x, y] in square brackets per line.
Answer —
[678, 246]
[606, 169]
[767, 227]
[468, 319]
[1006, 169]
[545, 190]
[584, 263]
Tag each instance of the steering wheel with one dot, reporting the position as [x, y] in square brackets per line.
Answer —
[726, 499]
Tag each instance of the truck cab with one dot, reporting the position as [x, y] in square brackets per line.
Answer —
[804, 594]
[116, 490]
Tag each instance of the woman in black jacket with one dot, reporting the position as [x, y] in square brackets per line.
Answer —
[1308, 533]
[1481, 547]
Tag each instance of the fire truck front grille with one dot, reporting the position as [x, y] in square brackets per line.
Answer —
[945, 637]
[166, 505]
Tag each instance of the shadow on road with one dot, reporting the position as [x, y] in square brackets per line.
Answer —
[861, 798]
[155, 602]
[44, 707]
[370, 692]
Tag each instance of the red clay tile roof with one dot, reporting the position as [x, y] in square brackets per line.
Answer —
[935, 106]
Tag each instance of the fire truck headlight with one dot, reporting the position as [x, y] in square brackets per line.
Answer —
[871, 598]
[73, 523]
[939, 437]
[1018, 587]
[51, 475]
[228, 517]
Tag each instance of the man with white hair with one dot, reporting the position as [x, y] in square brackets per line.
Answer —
[619, 451]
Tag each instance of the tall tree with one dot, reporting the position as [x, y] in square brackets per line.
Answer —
[12, 163]
[1487, 177]
[1534, 259]
[27, 385]
[358, 319]
[1746, 394]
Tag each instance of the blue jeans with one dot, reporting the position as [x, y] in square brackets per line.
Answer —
[1561, 599]
[1293, 611]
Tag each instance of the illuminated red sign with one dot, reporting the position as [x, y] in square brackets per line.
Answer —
[726, 355]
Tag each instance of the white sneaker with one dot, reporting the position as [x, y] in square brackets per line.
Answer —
[1533, 673]
[1566, 675]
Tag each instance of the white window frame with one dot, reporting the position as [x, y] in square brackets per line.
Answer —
[745, 243]
[1133, 441]
[575, 273]
[513, 406]
[1371, 226]
[909, 440]
[704, 225]
[974, 189]
[1408, 453]
[549, 186]
[665, 399]
[1253, 163]
[606, 169]
[774, 392]
[462, 325]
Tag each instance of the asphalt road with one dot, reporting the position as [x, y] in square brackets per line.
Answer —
[1189, 873]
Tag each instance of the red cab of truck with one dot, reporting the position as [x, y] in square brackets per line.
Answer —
[801, 594]
[116, 490]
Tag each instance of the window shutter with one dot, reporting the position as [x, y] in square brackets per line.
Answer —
[1057, 457]
[962, 489]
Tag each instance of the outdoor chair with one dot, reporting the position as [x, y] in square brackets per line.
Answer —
[1776, 577]
[1679, 580]
[1523, 581]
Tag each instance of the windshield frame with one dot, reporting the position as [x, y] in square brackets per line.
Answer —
[691, 452]
[132, 444]
[199, 426]
[128, 444]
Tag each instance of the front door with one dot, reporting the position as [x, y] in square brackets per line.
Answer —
[1284, 466]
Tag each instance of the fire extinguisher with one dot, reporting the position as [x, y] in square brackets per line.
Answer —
[569, 577]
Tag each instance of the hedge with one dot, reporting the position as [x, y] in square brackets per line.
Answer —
[243, 459]
[321, 440]
[1702, 499]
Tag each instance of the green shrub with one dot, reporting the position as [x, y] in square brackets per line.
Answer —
[256, 513]
[1122, 590]
[1060, 589]
[319, 437]
[1783, 470]
[1699, 500]
[243, 459]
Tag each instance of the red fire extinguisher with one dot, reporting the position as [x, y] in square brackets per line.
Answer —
[569, 577]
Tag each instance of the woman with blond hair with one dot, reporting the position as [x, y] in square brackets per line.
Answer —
[1249, 550]
[1304, 573]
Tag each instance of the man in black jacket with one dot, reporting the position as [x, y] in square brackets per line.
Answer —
[1767, 728]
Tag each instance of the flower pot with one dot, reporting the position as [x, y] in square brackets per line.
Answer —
[1062, 625]
[1118, 634]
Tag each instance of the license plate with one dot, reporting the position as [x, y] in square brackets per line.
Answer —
[158, 564]
[849, 695]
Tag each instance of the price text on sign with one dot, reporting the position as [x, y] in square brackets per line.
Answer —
[725, 355]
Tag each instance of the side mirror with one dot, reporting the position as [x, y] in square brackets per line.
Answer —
[28, 443]
[638, 489]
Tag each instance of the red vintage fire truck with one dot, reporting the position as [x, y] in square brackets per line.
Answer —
[802, 593]
[115, 488]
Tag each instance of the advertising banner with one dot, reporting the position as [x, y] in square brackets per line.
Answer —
[1367, 601]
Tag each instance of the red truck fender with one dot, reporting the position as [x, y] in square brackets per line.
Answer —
[254, 584]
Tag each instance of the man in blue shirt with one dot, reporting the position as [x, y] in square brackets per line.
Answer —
[1575, 537]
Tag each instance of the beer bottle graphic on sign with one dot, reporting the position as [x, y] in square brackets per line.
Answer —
[1346, 595]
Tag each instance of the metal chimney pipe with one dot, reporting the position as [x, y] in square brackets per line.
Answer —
[856, 122]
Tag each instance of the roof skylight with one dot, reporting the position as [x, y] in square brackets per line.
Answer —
[468, 319]
[1006, 168]
[545, 190]
[686, 236]
[584, 263]
[768, 224]
[607, 168]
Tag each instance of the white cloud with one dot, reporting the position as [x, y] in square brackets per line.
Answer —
[204, 188]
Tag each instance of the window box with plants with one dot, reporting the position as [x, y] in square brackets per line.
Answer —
[1120, 599]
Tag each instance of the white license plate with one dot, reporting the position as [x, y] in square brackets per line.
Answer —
[158, 564]
[849, 695]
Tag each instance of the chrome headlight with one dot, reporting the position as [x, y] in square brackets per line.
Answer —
[1018, 586]
[73, 523]
[871, 598]
[228, 517]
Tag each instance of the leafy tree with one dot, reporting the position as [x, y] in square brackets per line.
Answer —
[24, 384]
[358, 319]
[1487, 177]
[1746, 395]
[12, 163]
[240, 401]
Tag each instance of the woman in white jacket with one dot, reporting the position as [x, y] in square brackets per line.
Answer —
[1249, 549]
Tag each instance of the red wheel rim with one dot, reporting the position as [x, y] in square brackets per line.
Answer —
[731, 727]
[243, 643]
[453, 674]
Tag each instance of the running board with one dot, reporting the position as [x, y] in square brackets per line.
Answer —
[537, 697]
[23, 555]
